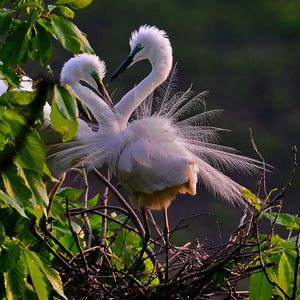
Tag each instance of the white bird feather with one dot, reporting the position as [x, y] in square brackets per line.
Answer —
[169, 145]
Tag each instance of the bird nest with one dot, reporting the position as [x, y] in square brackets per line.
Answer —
[111, 257]
[119, 262]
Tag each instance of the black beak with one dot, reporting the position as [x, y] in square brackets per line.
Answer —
[100, 91]
[105, 95]
[126, 63]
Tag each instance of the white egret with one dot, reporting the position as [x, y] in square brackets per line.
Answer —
[84, 73]
[164, 151]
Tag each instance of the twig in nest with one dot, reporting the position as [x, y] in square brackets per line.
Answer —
[119, 197]
[133, 217]
[177, 227]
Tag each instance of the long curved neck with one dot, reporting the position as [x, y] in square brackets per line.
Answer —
[160, 71]
[105, 117]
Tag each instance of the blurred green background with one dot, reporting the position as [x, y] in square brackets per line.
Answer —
[246, 53]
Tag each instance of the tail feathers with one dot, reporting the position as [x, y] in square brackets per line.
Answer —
[219, 184]
[225, 160]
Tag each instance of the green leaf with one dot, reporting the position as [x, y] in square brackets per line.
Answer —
[2, 234]
[46, 24]
[42, 44]
[259, 287]
[10, 76]
[12, 203]
[38, 187]
[17, 97]
[67, 128]
[66, 12]
[5, 20]
[66, 103]
[57, 211]
[15, 280]
[51, 274]
[29, 4]
[15, 48]
[149, 271]
[74, 4]
[36, 276]
[71, 194]
[4, 127]
[15, 186]
[287, 220]
[32, 152]
[5, 133]
[10, 255]
[251, 198]
[285, 274]
[94, 200]
[70, 36]
[15, 121]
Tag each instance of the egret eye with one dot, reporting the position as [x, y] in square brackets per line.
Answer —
[136, 49]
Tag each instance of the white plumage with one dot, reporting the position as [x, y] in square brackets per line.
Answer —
[170, 144]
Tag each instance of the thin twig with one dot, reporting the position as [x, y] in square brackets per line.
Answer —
[156, 227]
[133, 217]
[86, 268]
[290, 177]
[219, 232]
[262, 177]
[96, 210]
[53, 192]
[88, 228]
[104, 201]
[123, 202]
[41, 239]
[46, 231]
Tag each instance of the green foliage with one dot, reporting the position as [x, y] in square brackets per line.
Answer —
[260, 288]
[26, 29]
[42, 234]
[64, 112]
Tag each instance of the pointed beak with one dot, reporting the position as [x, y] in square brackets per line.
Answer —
[100, 91]
[105, 96]
[126, 63]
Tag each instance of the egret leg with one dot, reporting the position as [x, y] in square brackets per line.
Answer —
[167, 236]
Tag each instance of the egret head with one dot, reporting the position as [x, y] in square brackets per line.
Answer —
[150, 43]
[87, 70]
[83, 67]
